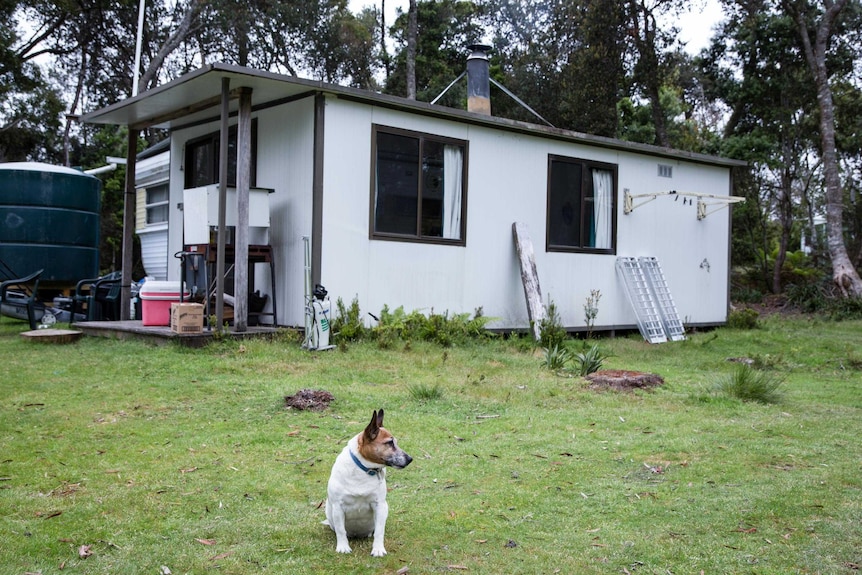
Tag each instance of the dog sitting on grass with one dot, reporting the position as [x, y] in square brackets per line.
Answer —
[356, 495]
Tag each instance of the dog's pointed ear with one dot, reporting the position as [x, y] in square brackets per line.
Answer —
[373, 428]
[380, 417]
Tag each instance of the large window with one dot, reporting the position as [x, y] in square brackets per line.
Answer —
[581, 197]
[419, 187]
[202, 159]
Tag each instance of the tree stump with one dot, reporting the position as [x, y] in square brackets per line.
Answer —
[53, 335]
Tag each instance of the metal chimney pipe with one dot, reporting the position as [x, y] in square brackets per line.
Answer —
[478, 80]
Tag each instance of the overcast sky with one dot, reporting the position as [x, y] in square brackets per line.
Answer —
[696, 26]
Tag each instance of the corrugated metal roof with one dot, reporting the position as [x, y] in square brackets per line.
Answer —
[195, 97]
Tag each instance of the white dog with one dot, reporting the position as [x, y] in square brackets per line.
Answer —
[356, 495]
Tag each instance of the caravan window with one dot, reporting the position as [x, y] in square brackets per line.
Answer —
[581, 200]
[419, 187]
[157, 204]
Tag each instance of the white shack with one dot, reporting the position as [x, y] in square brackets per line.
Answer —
[412, 204]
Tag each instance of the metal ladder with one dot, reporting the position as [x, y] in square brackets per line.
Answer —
[641, 297]
[673, 327]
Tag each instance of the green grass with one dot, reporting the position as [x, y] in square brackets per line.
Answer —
[165, 456]
[750, 384]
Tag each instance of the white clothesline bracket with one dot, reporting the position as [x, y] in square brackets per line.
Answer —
[687, 197]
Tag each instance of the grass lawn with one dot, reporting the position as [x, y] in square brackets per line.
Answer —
[121, 458]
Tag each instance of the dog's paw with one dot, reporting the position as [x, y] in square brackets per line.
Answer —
[378, 552]
[343, 549]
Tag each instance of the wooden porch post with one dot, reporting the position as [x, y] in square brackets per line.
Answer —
[222, 202]
[129, 207]
[243, 177]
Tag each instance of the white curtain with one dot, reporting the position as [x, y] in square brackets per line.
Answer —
[453, 166]
[602, 190]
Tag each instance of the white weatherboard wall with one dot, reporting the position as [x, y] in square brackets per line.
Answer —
[694, 254]
[409, 274]
[285, 162]
[285, 146]
[507, 182]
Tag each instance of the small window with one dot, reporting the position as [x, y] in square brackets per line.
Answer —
[418, 187]
[581, 200]
[665, 171]
[157, 204]
[202, 159]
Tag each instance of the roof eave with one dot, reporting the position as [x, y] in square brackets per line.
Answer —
[135, 111]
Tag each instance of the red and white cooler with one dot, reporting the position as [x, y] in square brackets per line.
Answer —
[156, 299]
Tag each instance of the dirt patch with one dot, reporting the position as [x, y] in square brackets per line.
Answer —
[622, 380]
[309, 400]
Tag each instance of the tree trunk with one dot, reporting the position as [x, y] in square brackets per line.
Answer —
[844, 274]
[79, 89]
[384, 52]
[183, 31]
[412, 32]
[785, 218]
[644, 32]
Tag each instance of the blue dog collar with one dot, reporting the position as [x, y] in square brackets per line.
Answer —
[371, 472]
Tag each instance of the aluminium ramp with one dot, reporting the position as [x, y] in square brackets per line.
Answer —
[640, 295]
[673, 327]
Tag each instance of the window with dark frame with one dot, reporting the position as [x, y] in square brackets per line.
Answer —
[581, 205]
[419, 187]
[202, 159]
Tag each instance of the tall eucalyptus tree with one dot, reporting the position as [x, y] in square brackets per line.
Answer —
[816, 22]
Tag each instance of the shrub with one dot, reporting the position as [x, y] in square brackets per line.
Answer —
[746, 294]
[347, 324]
[807, 297]
[442, 329]
[844, 308]
[424, 392]
[749, 384]
[589, 361]
[560, 358]
[551, 331]
[819, 298]
[591, 310]
[557, 357]
[766, 361]
[745, 318]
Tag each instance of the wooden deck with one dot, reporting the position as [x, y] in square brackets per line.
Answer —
[135, 329]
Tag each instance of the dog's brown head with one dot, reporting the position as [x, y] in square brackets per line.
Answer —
[376, 444]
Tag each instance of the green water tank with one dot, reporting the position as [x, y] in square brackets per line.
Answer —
[49, 218]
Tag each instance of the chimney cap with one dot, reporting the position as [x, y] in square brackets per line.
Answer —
[478, 51]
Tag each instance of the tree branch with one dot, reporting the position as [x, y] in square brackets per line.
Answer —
[176, 38]
[44, 32]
